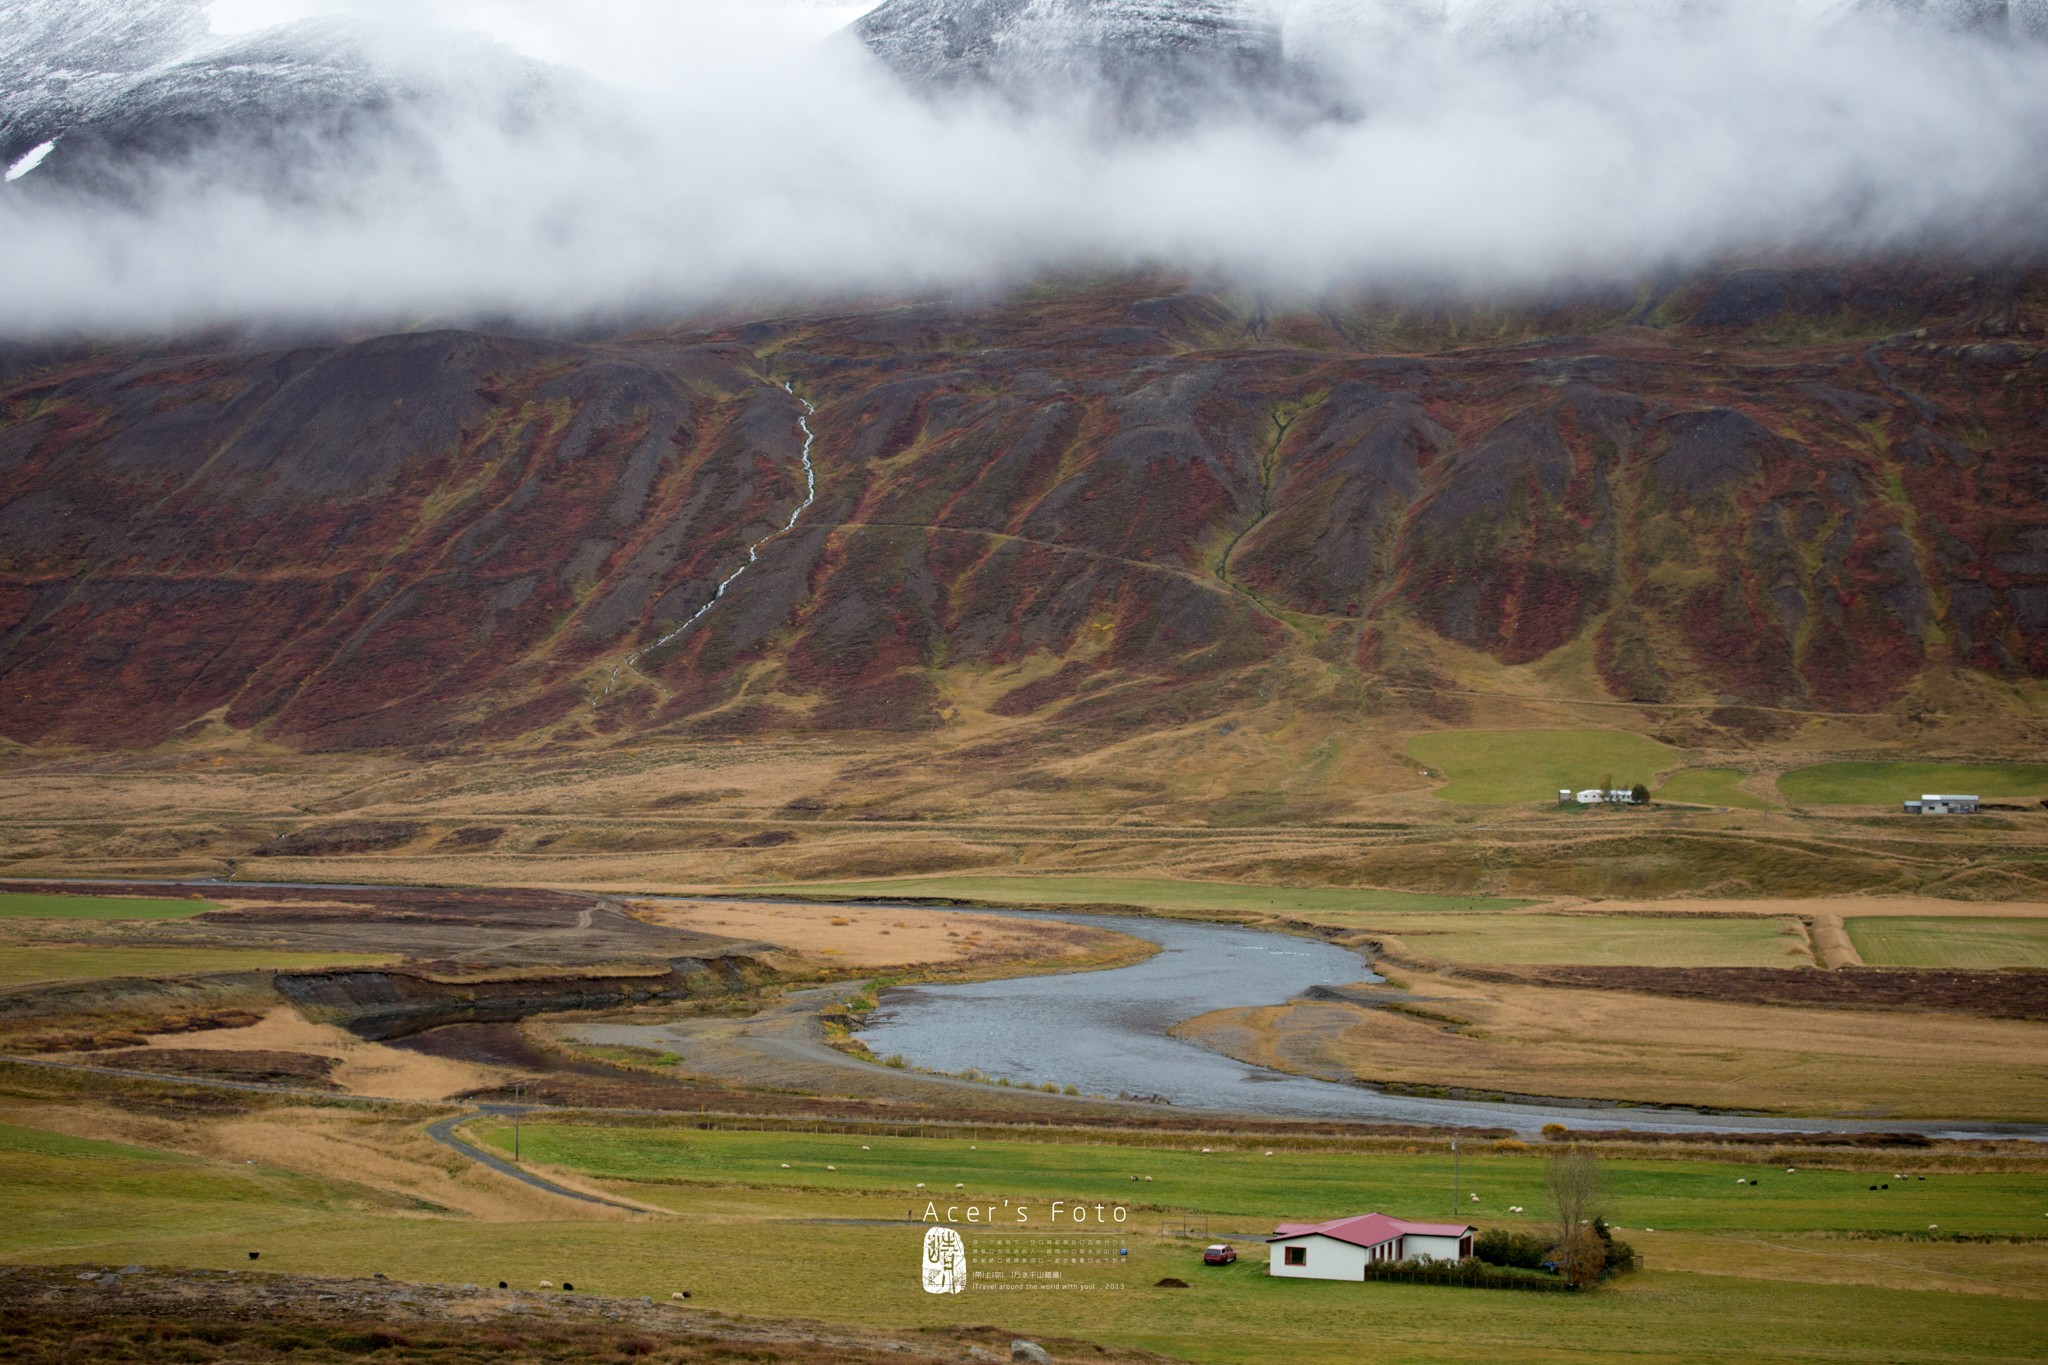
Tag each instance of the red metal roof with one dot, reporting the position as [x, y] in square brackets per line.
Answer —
[1368, 1229]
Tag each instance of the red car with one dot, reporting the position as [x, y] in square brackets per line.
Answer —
[1220, 1254]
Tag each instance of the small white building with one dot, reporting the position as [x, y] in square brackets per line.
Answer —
[1933, 804]
[1343, 1248]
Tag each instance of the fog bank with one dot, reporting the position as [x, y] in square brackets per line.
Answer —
[708, 153]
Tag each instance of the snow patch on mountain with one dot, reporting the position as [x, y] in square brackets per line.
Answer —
[127, 87]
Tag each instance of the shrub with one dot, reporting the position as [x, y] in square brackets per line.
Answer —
[1465, 1274]
[1522, 1250]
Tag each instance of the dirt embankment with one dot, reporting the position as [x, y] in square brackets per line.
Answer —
[1990, 995]
[1850, 985]
[71, 1313]
[390, 1004]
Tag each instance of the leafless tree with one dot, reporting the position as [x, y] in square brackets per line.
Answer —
[1574, 1181]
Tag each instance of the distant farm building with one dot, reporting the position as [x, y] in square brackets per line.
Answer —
[1593, 796]
[1942, 805]
[1344, 1248]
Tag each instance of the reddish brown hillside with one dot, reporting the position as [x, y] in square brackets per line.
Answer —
[1780, 486]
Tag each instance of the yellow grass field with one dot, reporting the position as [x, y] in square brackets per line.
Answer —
[1618, 1045]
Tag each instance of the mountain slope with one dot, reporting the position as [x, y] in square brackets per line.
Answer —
[128, 91]
[1120, 507]
[1151, 60]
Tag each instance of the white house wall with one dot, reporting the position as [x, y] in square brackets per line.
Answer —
[1328, 1259]
[1419, 1248]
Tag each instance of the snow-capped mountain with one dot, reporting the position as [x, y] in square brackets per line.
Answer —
[1155, 58]
[107, 89]
[1192, 53]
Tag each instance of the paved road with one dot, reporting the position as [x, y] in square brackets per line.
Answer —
[445, 1134]
[442, 1132]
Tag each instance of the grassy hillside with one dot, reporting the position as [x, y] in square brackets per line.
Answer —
[1888, 783]
[1503, 767]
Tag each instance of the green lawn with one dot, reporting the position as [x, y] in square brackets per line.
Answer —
[1711, 787]
[19, 905]
[1942, 942]
[1887, 784]
[1506, 767]
[1591, 940]
[1254, 1188]
[65, 1198]
[25, 966]
[1155, 893]
[816, 1252]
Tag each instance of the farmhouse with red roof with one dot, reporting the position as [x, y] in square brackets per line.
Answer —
[1343, 1248]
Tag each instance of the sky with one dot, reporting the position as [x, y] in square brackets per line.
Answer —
[730, 152]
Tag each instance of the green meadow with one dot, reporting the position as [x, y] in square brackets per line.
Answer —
[1508, 767]
[1289, 1185]
[822, 1227]
[22, 905]
[1711, 787]
[1153, 893]
[67, 1198]
[753, 1238]
[23, 966]
[1885, 784]
[1940, 941]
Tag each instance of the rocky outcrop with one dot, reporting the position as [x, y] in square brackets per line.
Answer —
[380, 1004]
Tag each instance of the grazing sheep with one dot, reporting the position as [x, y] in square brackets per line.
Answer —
[831, 1168]
[547, 1284]
[678, 1295]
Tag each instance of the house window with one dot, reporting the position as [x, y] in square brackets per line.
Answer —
[1297, 1255]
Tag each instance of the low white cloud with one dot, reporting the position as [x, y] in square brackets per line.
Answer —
[741, 152]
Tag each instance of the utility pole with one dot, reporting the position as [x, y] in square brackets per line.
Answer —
[1454, 1178]
[518, 1094]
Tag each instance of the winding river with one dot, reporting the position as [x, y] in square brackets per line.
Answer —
[1107, 1033]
